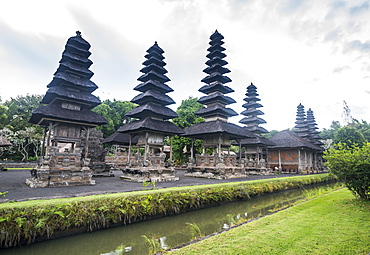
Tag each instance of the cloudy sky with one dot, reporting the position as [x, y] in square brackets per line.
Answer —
[314, 52]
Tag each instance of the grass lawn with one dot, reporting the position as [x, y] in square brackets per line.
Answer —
[334, 223]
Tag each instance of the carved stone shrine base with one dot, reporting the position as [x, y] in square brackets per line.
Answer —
[218, 173]
[42, 178]
[149, 174]
[263, 171]
[101, 169]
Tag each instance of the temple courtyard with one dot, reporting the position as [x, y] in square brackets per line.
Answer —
[13, 181]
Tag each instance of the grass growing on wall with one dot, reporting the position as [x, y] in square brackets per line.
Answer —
[25, 222]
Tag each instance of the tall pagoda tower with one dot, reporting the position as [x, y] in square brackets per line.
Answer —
[151, 126]
[256, 148]
[216, 132]
[301, 122]
[251, 112]
[67, 111]
[215, 90]
[312, 129]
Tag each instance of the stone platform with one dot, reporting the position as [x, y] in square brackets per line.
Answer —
[218, 173]
[149, 174]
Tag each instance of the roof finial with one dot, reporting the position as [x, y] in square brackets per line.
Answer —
[78, 33]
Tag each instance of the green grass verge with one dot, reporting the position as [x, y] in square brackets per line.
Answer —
[25, 222]
[18, 168]
[334, 223]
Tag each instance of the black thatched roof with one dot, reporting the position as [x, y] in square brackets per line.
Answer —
[153, 85]
[288, 139]
[152, 75]
[216, 77]
[257, 129]
[79, 42]
[216, 69]
[251, 111]
[84, 97]
[154, 67]
[216, 110]
[216, 97]
[215, 87]
[255, 141]
[152, 110]
[216, 60]
[52, 112]
[67, 56]
[203, 129]
[83, 84]
[251, 104]
[216, 53]
[149, 124]
[253, 119]
[120, 139]
[154, 97]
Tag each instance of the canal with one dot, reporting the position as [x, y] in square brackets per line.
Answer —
[170, 231]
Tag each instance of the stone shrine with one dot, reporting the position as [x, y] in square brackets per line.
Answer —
[67, 112]
[215, 131]
[147, 160]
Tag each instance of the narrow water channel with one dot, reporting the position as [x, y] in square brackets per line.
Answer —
[171, 230]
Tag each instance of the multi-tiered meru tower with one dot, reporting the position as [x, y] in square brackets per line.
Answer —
[149, 162]
[67, 112]
[216, 132]
[255, 148]
[312, 129]
[301, 124]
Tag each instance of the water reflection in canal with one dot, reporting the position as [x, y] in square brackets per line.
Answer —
[171, 231]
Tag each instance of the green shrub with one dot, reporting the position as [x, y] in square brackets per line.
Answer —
[351, 165]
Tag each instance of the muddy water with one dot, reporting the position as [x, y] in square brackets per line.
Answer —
[170, 231]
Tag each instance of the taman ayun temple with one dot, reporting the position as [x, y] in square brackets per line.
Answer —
[65, 115]
[215, 131]
[148, 161]
[141, 152]
[297, 151]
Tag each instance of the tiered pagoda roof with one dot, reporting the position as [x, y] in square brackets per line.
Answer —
[4, 142]
[301, 124]
[69, 97]
[152, 111]
[252, 112]
[120, 139]
[215, 112]
[215, 100]
[312, 129]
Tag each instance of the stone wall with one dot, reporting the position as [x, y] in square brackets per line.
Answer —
[18, 164]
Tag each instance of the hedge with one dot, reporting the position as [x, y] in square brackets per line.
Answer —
[30, 221]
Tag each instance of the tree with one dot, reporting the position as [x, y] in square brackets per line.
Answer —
[20, 111]
[3, 115]
[363, 127]
[329, 133]
[348, 136]
[186, 112]
[270, 134]
[186, 119]
[25, 137]
[115, 112]
[351, 165]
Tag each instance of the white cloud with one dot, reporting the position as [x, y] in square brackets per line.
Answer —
[310, 52]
